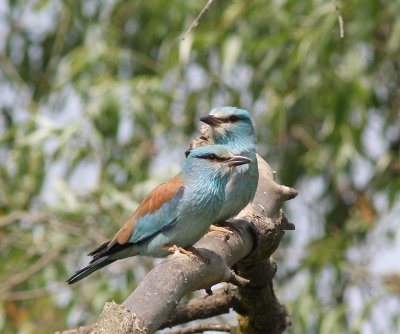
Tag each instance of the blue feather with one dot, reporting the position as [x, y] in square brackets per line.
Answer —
[156, 222]
[239, 136]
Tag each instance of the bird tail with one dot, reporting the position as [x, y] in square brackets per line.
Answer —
[107, 253]
[92, 267]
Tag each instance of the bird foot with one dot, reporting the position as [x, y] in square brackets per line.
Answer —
[192, 252]
[174, 249]
[215, 228]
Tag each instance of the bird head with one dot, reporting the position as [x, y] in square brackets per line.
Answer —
[216, 159]
[227, 123]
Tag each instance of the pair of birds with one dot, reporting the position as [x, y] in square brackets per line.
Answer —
[216, 182]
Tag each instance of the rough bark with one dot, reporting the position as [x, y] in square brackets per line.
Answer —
[205, 306]
[260, 310]
[257, 233]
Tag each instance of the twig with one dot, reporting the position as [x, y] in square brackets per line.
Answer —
[31, 294]
[12, 73]
[237, 280]
[205, 306]
[57, 46]
[20, 215]
[11, 239]
[33, 269]
[203, 328]
[340, 18]
[195, 23]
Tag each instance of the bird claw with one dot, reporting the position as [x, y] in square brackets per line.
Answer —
[192, 252]
[228, 233]
[174, 249]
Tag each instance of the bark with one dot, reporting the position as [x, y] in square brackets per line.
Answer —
[257, 232]
[205, 306]
[260, 310]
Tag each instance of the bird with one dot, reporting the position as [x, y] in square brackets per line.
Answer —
[176, 214]
[233, 127]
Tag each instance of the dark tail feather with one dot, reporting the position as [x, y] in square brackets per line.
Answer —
[100, 248]
[107, 249]
[92, 267]
[101, 258]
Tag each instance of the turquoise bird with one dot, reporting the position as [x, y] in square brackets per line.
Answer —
[176, 214]
[233, 128]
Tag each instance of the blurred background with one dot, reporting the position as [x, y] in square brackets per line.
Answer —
[99, 100]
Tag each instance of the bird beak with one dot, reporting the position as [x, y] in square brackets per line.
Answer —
[237, 161]
[211, 120]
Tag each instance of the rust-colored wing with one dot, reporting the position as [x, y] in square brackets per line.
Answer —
[166, 193]
[155, 213]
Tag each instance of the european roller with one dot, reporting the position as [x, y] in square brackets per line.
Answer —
[233, 127]
[177, 213]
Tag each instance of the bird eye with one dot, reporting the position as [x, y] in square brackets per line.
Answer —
[212, 156]
[233, 119]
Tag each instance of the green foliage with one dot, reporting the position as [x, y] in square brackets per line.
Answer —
[101, 98]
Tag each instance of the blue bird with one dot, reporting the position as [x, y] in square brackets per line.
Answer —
[233, 127]
[176, 214]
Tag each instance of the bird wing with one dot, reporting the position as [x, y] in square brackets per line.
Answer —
[159, 213]
[155, 213]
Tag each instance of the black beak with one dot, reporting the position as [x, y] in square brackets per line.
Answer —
[187, 153]
[238, 160]
[211, 120]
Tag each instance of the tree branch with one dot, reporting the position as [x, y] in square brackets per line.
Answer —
[257, 232]
[196, 22]
[203, 328]
[205, 306]
[340, 18]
